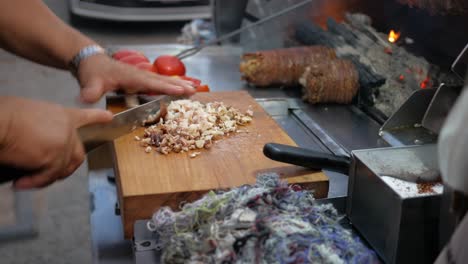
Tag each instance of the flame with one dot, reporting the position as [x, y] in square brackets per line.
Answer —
[393, 36]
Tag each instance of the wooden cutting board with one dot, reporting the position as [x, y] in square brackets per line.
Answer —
[147, 181]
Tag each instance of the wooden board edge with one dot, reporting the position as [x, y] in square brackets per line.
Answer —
[131, 209]
[134, 211]
[118, 183]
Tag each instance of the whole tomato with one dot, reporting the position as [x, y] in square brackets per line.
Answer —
[169, 65]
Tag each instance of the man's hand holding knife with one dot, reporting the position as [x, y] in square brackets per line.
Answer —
[41, 139]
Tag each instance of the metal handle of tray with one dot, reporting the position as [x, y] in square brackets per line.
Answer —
[306, 157]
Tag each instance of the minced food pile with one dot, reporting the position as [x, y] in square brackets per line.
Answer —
[191, 125]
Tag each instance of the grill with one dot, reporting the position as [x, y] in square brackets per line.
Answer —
[359, 30]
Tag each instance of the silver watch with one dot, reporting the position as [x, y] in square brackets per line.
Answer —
[83, 54]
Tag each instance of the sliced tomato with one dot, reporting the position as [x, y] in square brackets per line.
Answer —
[120, 54]
[169, 65]
[202, 88]
[146, 66]
[134, 59]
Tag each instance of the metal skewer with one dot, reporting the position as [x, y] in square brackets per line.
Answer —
[458, 61]
[194, 50]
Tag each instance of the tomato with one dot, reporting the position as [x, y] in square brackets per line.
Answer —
[134, 59]
[203, 88]
[196, 82]
[146, 66]
[118, 55]
[169, 65]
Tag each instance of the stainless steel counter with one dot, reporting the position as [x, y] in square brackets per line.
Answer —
[335, 129]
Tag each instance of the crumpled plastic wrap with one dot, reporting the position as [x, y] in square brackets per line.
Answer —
[269, 222]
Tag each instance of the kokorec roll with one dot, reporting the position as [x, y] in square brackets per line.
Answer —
[282, 66]
[334, 81]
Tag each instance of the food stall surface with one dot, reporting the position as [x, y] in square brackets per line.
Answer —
[333, 129]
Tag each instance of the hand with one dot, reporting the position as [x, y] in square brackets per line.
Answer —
[99, 74]
[42, 137]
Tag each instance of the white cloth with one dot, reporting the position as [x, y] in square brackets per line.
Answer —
[453, 146]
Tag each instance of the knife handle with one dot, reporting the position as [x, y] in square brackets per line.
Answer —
[306, 157]
[10, 173]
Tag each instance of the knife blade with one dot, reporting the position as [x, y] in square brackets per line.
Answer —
[123, 123]
[95, 135]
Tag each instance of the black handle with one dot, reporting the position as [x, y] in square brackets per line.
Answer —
[9, 173]
[306, 158]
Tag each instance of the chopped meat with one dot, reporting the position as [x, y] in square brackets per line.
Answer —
[189, 125]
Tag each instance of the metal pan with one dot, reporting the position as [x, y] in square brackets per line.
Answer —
[439, 108]
[401, 229]
[401, 163]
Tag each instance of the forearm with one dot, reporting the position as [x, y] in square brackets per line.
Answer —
[29, 29]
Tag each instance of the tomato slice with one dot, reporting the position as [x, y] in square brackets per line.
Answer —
[203, 88]
[169, 65]
[120, 54]
[134, 59]
[146, 66]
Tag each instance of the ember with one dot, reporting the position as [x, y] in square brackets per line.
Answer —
[393, 36]
[379, 62]
[425, 83]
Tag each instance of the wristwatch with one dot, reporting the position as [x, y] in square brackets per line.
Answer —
[83, 54]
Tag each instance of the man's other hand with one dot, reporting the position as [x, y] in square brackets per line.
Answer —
[42, 137]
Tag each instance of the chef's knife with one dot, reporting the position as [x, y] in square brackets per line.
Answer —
[124, 122]
[96, 135]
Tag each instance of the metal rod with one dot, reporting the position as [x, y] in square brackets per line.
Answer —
[457, 60]
[194, 50]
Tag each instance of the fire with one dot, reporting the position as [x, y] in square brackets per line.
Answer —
[393, 36]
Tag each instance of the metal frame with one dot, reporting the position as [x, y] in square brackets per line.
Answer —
[25, 218]
[114, 13]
